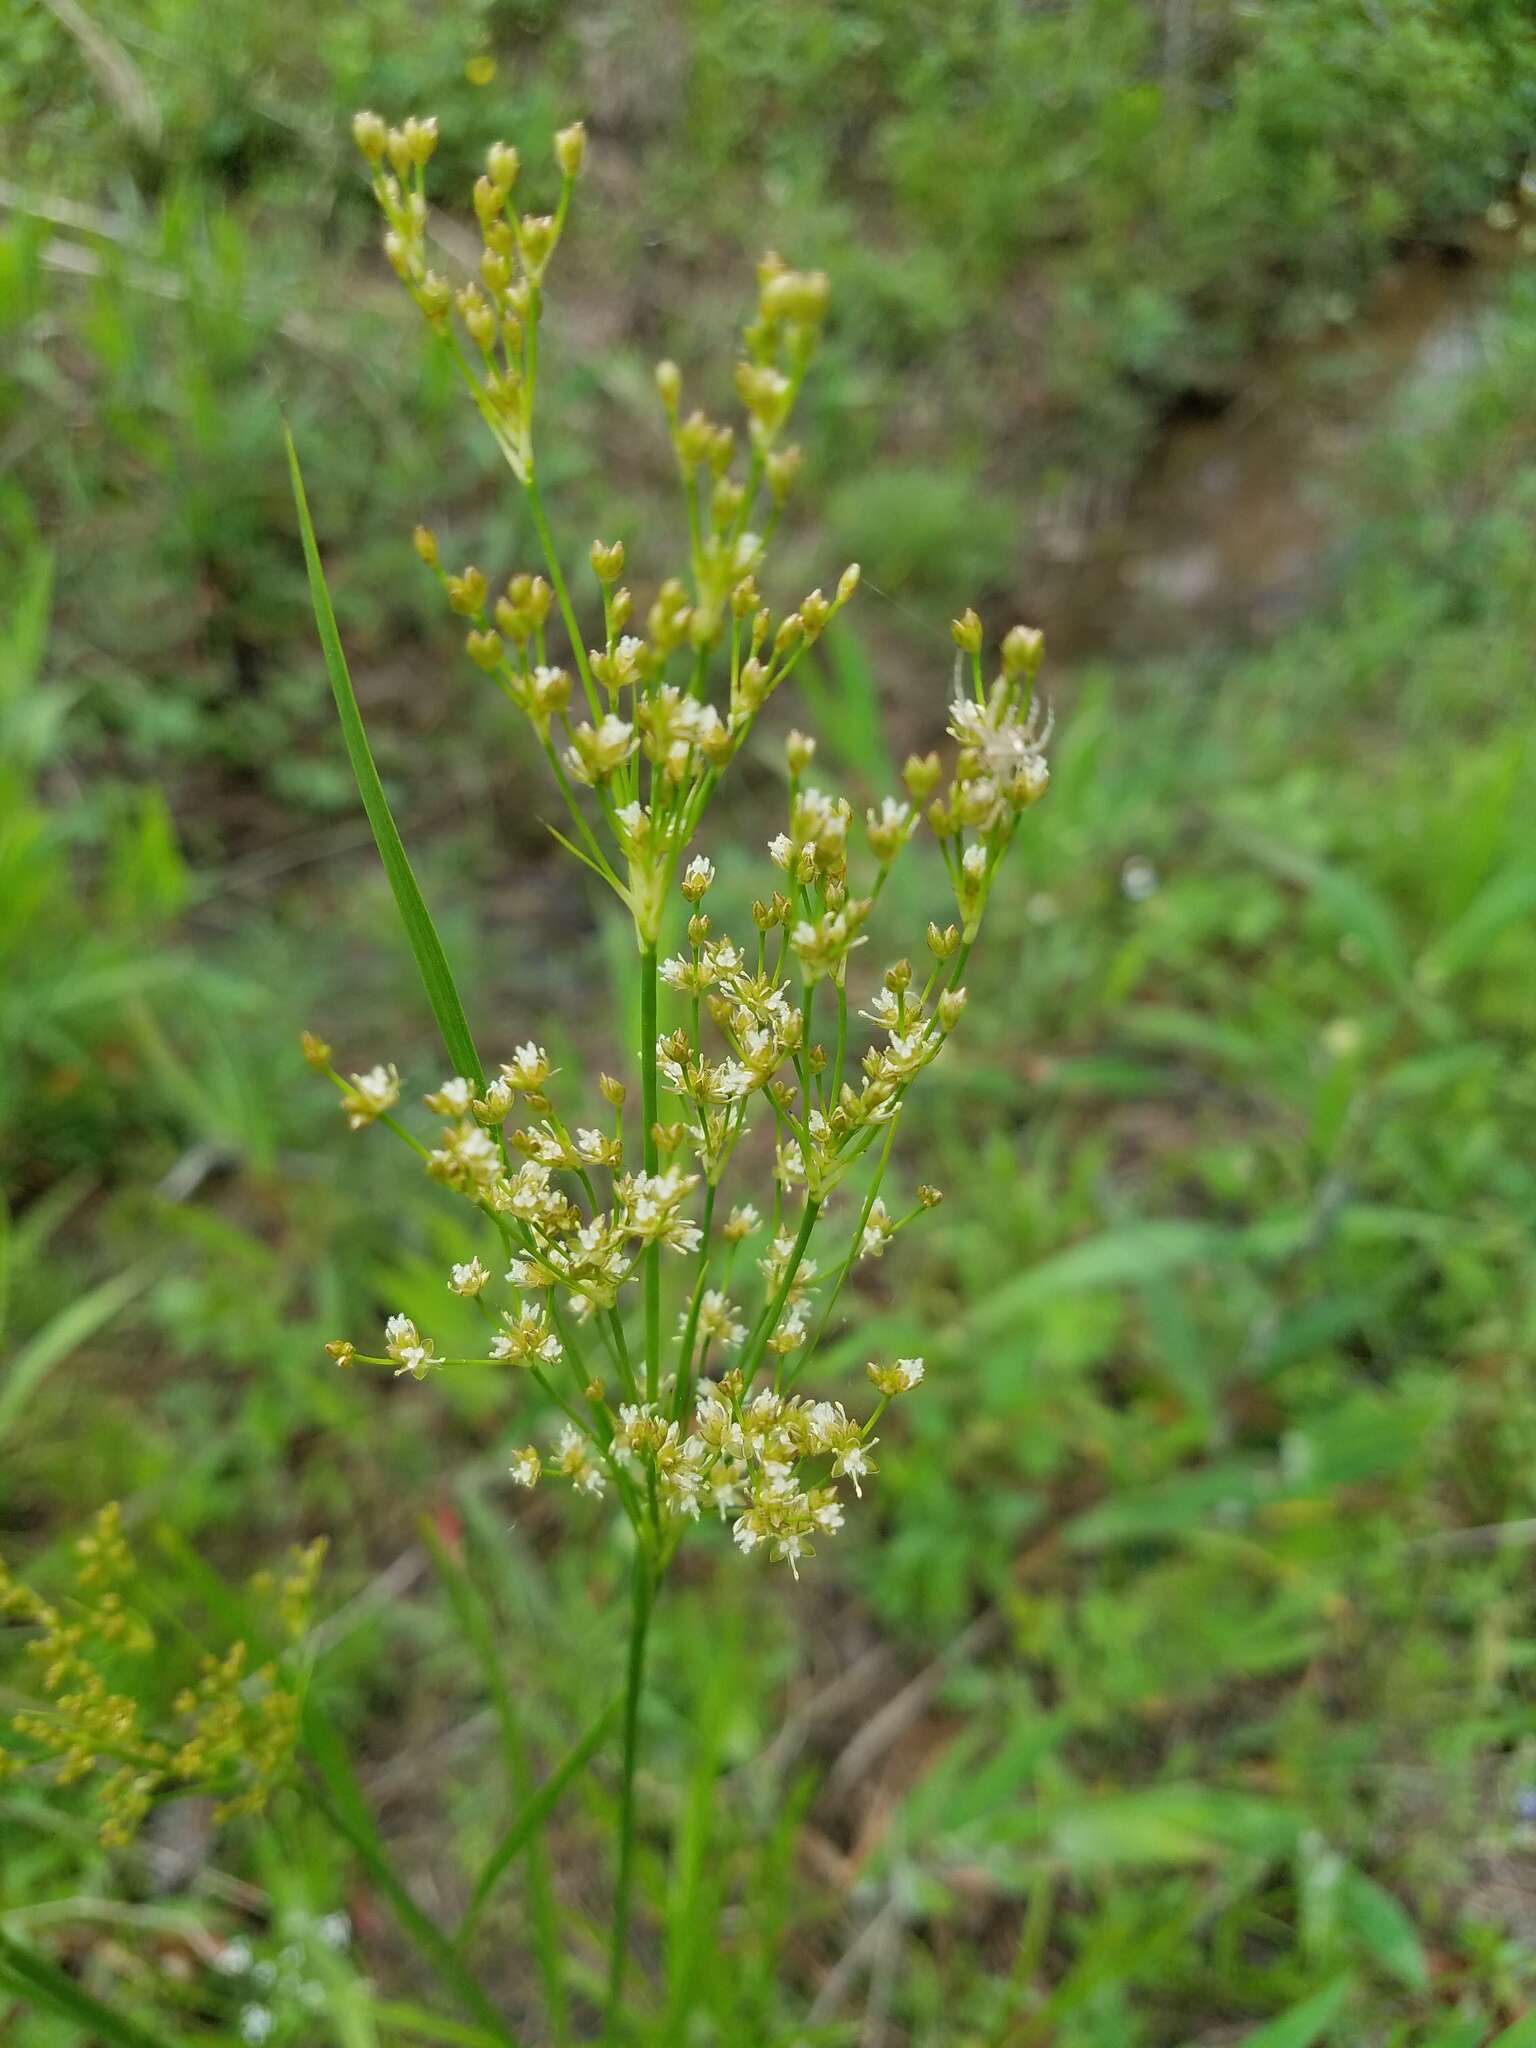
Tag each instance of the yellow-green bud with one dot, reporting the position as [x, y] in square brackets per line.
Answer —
[898, 978]
[370, 134]
[341, 1351]
[815, 611]
[607, 559]
[797, 295]
[848, 582]
[966, 632]
[791, 632]
[483, 649]
[920, 775]
[571, 149]
[424, 541]
[669, 383]
[490, 198]
[930, 1197]
[942, 944]
[501, 165]
[695, 439]
[466, 593]
[315, 1050]
[1023, 647]
[799, 751]
[781, 468]
[420, 139]
[612, 1091]
[536, 237]
[620, 605]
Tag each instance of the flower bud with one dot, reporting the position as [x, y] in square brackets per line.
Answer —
[489, 200]
[799, 751]
[669, 383]
[942, 944]
[501, 165]
[370, 134]
[571, 149]
[341, 1351]
[536, 238]
[420, 139]
[848, 582]
[484, 649]
[695, 437]
[466, 593]
[951, 1008]
[782, 468]
[815, 611]
[612, 1091]
[966, 632]
[620, 605]
[315, 1050]
[898, 978]
[920, 775]
[930, 1197]
[1023, 647]
[791, 632]
[424, 541]
[607, 560]
[799, 296]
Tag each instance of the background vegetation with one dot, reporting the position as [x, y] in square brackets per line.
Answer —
[1179, 1689]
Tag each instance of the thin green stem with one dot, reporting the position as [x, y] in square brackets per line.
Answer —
[648, 1095]
[639, 1632]
[767, 1322]
[562, 595]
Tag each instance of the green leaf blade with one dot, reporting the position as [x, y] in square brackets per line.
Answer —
[420, 931]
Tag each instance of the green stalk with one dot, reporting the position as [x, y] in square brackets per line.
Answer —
[768, 1321]
[639, 1631]
[648, 1094]
[562, 595]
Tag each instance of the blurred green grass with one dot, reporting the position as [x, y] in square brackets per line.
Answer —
[1197, 1672]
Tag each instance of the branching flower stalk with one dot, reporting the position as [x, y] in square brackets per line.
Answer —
[665, 1317]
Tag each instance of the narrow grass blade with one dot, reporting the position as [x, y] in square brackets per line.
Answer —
[533, 1816]
[413, 2024]
[342, 1804]
[476, 1625]
[1304, 2024]
[35, 1977]
[69, 1329]
[431, 960]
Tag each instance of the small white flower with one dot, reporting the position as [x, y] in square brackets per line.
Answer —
[370, 1095]
[526, 1466]
[468, 1279]
[453, 1098]
[256, 2023]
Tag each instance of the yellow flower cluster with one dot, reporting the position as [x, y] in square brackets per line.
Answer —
[230, 1731]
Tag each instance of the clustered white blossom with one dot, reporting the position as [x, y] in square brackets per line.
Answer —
[753, 1032]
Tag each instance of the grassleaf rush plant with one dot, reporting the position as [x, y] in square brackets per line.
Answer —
[666, 1305]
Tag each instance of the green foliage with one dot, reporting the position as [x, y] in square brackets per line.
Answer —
[1223, 1713]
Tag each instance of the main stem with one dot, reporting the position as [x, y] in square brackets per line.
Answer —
[639, 1630]
[652, 1259]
